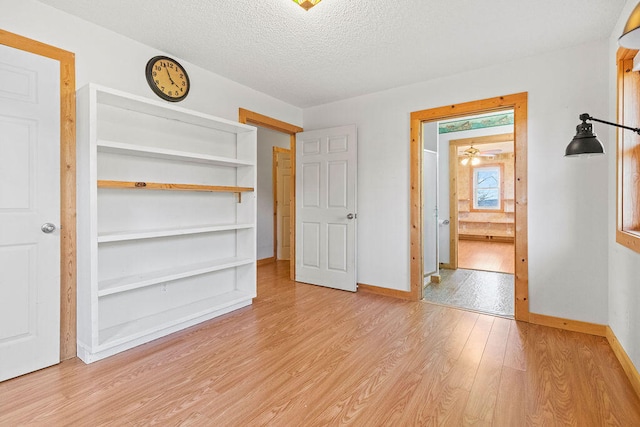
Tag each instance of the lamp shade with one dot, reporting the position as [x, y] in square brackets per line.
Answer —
[630, 37]
[584, 143]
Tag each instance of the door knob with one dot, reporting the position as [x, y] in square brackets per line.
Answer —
[47, 227]
[351, 216]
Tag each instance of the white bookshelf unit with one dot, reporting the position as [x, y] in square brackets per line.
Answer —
[166, 219]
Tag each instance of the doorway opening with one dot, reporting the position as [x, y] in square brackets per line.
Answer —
[424, 215]
[270, 131]
[476, 199]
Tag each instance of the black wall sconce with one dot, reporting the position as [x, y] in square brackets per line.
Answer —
[585, 143]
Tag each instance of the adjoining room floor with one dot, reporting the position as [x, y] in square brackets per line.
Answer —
[487, 256]
[483, 291]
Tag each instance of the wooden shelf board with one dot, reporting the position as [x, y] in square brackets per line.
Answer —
[163, 153]
[478, 221]
[168, 232]
[141, 185]
[119, 334]
[129, 283]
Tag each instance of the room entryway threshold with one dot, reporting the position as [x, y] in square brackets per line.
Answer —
[473, 290]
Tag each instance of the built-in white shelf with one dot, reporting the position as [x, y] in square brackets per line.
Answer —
[123, 236]
[131, 273]
[119, 334]
[129, 283]
[163, 153]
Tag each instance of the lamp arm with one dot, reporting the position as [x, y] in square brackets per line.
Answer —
[586, 116]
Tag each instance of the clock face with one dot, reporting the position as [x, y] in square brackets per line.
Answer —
[167, 78]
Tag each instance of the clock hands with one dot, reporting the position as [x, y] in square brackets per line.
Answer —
[170, 79]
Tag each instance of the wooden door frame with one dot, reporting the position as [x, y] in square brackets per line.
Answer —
[517, 102]
[67, 182]
[275, 168]
[453, 187]
[249, 117]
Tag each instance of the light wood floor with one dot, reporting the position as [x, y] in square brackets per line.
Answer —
[487, 256]
[308, 356]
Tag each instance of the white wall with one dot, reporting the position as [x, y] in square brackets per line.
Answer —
[110, 59]
[567, 230]
[267, 139]
[624, 264]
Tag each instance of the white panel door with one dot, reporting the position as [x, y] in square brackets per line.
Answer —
[29, 199]
[283, 205]
[326, 211]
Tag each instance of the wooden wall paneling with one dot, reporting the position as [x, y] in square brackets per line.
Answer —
[67, 182]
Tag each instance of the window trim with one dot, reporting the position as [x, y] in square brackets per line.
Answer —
[472, 180]
[628, 104]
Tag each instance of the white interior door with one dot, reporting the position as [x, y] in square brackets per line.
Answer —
[29, 200]
[283, 205]
[326, 211]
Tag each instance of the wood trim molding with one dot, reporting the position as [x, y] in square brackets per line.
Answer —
[628, 146]
[67, 182]
[568, 324]
[249, 117]
[517, 102]
[384, 291]
[624, 359]
[593, 329]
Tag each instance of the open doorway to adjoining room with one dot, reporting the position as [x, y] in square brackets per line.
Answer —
[273, 133]
[473, 193]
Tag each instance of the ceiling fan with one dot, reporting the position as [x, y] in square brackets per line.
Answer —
[473, 155]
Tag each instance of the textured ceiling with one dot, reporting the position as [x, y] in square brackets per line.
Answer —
[344, 48]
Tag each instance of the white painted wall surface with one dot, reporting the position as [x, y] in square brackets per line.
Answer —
[115, 61]
[267, 139]
[624, 264]
[567, 226]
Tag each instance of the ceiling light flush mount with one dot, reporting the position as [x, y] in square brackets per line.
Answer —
[630, 37]
[307, 4]
[585, 143]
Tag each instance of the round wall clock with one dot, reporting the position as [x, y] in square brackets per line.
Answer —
[167, 78]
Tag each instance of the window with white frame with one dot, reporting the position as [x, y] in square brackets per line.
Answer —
[487, 188]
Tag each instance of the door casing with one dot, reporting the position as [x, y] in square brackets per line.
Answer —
[517, 102]
[453, 184]
[67, 182]
[249, 117]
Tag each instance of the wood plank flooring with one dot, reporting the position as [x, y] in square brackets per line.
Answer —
[487, 256]
[308, 356]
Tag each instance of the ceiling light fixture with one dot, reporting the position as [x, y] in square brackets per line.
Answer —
[630, 37]
[585, 143]
[307, 4]
[470, 154]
